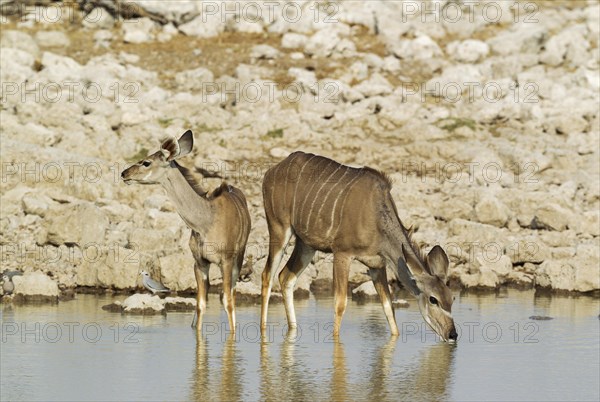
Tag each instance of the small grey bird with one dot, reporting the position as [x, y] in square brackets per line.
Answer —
[8, 286]
[152, 285]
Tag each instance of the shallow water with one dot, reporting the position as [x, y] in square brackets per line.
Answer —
[76, 351]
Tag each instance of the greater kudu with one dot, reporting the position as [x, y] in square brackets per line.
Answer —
[349, 212]
[220, 220]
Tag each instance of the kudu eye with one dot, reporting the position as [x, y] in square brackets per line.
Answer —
[146, 163]
[433, 300]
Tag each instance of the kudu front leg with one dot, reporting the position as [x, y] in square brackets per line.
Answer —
[379, 277]
[341, 269]
[201, 272]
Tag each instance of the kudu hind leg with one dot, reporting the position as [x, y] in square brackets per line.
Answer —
[379, 277]
[341, 269]
[279, 239]
[228, 291]
[301, 257]
[201, 268]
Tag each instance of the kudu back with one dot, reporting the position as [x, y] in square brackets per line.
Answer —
[349, 212]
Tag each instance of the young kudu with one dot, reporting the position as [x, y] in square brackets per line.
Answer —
[220, 221]
[349, 212]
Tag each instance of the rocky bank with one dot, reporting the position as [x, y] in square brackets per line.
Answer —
[485, 117]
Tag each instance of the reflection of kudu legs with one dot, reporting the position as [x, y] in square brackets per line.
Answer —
[279, 238]
[339, 383]
[379, 277]
[201, 271]
[231, 372]
[201, 385]
[299, 260]
[268, 390]
[341, 268]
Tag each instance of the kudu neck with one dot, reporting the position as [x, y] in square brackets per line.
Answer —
[398, 238]
[191, 203]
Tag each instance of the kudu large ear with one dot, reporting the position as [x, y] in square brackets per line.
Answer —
[173, 149]
[186, 143]
[409, 271]
[438, 262]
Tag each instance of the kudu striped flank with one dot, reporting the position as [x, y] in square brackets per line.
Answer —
[220, 220]
[349, 212]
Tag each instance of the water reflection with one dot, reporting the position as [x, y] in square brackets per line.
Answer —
[339, 377]
[206, 376]
[201, 372]
[434, 372]
[366, 363]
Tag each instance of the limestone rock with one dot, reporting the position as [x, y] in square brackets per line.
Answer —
[491, 211]
[552, 217]
[177, 271]
[143, 304]
[264, 52]
[468, 51]
[52, 39]
[35, 287]
[365, 292]
[81, 224]
[194, 80]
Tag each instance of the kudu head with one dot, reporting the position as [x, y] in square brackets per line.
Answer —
[153, 167]
[432, 292]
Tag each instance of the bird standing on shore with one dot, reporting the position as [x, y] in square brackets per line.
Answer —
[8, 286]
[152, 285]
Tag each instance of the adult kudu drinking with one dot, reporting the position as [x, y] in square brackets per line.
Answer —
[349, 212]
[220, 220]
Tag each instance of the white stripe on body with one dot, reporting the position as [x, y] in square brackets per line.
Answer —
[315, 198]
[298, 181]
[332, 192]
[308, 193]
[350, 185]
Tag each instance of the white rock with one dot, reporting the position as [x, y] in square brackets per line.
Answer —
[178, 12]
[377, 85]
[591, 223]
[140, 31]
[59, 69]
[322, 43]
[167, 33]
[553, 216]
[143, 304]
[204, 26]
[52, 39]
[523, 38]
[420, 48]
[292, 40]
[279, 153]
[103, 37]
[367, 289]
[264, 52]
[19, 40]
[99, 18]
[35, 284]
[468, 51]
[177, 271]
[194, 80]
[36, 203]
[500, 266]
[64, 224]
[16, 67]
[491, 211]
